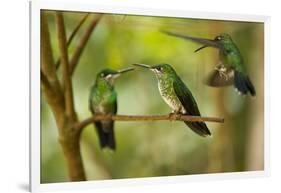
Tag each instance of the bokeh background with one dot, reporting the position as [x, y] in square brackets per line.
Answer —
[163, 148]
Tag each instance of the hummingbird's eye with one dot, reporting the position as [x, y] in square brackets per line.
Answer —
[218, 38]
[102, 74]
[159, 68]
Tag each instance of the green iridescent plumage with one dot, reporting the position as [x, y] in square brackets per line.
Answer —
[103, 100]
[230, 70]
[177, 95]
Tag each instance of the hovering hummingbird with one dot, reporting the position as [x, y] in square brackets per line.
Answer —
[177, 95]
[103, 100]
[230, 70]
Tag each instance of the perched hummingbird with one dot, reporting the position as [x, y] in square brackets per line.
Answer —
[177, 95]
[230, 70]
[103, 100]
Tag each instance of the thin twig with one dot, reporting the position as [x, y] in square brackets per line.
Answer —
[68, 92]
[85, 37]
[72, 35]
[170, 117]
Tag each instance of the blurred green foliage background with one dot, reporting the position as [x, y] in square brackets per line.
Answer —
[146, 149]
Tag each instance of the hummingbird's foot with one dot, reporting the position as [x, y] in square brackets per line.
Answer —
[175, 115]
[171, 115]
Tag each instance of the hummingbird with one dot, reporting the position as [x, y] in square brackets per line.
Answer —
[230, 70]
[103, 101]
[176, 94]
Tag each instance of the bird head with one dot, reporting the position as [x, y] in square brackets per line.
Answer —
[223, 38]
[160, 70]
[219, 41]
[110, 75]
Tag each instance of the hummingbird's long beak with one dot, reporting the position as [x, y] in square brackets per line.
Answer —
[205, 42]
[202, 47]
[119, 72]
[125, 70]
[142, 65]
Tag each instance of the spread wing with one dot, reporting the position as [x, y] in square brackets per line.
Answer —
[215, 79]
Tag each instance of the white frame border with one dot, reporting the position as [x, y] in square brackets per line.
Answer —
[34, 145]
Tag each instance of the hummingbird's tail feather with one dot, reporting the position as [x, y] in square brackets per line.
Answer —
[106, 135]
[199, 127]
[111, 139]
[101, 135]
[243, 84]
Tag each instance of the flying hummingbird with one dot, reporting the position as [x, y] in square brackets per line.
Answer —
[103, 100]
[230, 70]
[177, 95]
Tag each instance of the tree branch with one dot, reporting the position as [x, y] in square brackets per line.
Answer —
[72, 35]
[51, 86]
[85, 37]
[170, 117]
[44, 80]
[68, 91]
[69, 138]
[47, 60]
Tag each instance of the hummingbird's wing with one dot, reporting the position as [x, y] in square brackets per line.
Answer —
[185, 97]
[190, 105]
[103, 136]
[107, 138]
[109, 128]
[105, 129]
[216, 79]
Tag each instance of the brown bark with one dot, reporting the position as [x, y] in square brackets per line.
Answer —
[70, 142]
[69, 138]
[68, 91]
[61, 101]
